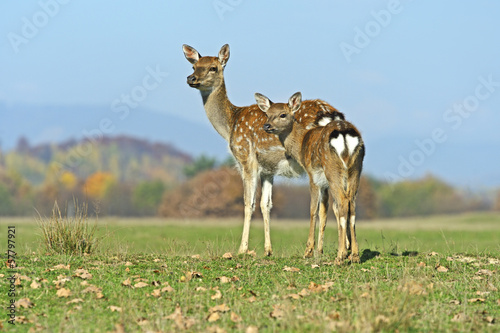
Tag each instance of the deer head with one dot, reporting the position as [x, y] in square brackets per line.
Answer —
[208, 71]
[280, 116]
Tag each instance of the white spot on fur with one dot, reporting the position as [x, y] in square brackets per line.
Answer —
[337, 118]
[352, 142]
[324, 121]
[308, 127]
[343, 222]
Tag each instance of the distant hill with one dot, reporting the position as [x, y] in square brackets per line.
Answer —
[127, 158]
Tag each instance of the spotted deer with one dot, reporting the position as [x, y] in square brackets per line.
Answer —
[332, 156]
[257, 153]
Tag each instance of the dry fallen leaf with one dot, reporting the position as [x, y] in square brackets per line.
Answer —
[128, 263]
[455, 302]
[277, 312]
[235, 318]
[291, 269]
[60, 266]
[75, 301]
[293, 296]
[224, 279]
[219, 308]
[35, 285]
[304, 292]
[156, 293]
[24, 303]
[227, 255]
[156, 260]
[195, 256]
[252, 329]
[365, 295]
[83, 274]
[421, 264]
[140, 285]
[441, 269]
[114, 308]
[167, 289]
[200, 289]
[214, 316]
[475, 300]
[432, 254]
[484, 272]
[313, 266]
[63, 292]
[127, 283]
[252, 299]
[218, 295]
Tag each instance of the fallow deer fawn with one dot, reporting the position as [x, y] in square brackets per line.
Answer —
[332, 157]
[257, 153]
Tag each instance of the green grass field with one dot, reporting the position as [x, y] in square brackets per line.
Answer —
[437, 274]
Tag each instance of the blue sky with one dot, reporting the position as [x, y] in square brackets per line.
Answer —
[420, 79]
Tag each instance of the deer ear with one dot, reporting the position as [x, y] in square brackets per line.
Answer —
[295, 102]
[191, 54]
[263, 102]
[224, 55]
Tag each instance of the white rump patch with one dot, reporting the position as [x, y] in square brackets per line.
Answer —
[338, 144]
[352, 142]
[324, 121]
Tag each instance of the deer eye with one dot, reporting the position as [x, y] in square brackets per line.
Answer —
[283, 115]
[213, 69]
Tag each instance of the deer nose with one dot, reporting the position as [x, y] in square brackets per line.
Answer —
[267, 127]
[191, 79]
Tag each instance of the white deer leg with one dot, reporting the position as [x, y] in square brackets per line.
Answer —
[323, 211]
[249, 189]
[266, 204]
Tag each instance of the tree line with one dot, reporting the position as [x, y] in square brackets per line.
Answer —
[126, 176]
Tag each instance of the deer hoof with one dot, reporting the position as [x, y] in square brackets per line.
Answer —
[355, 258]
[309, 253]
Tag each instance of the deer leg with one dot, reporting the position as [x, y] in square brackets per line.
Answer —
[249, 189]
[323, 210]
[352, 226]
[341, 214]
[315, 193]
[266, 204]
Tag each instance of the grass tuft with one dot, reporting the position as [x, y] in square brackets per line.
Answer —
[73, 235]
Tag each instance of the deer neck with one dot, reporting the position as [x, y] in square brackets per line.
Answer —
[292, 141]
[219, 109]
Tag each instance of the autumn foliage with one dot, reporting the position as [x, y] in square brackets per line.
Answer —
[214, 193]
